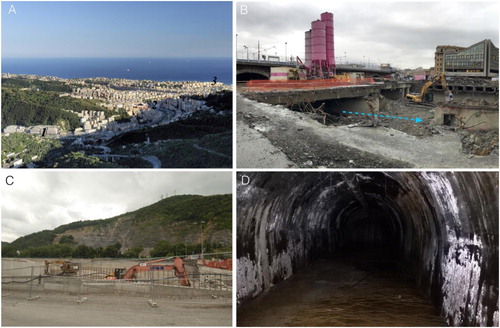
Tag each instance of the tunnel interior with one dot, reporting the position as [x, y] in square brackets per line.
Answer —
[437, 229]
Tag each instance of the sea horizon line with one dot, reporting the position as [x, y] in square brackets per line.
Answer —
[187, 58]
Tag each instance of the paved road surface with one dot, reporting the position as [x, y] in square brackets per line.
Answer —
[63, 310]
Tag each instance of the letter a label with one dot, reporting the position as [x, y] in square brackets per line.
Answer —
[12, 9]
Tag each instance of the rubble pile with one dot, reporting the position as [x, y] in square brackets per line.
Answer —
[471, 81]
[475, 102]
[392, 108]
[480, 143]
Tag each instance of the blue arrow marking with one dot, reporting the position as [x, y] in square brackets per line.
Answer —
[416, 119]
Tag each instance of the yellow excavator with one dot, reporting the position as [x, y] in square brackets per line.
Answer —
[64, 268]
[421, 97]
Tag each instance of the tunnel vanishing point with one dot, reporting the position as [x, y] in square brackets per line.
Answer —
[441, 226]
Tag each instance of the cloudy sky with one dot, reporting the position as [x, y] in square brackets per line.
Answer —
[41, 200]
[404, 34]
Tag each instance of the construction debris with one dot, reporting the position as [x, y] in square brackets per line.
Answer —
[480, 143]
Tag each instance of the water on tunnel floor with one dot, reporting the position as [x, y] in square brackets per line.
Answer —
[357, 289]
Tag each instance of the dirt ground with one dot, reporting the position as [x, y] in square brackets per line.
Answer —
[348, 142]
[57, 309]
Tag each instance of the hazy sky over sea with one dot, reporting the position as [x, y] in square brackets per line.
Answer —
[116, 29]
[402, 33]
[41, 200]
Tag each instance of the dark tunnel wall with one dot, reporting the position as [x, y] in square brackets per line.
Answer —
[443, 224]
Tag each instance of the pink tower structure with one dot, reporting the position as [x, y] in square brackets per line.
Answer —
[318, 42]
[319, 46]
[308, 48]
[330, 51]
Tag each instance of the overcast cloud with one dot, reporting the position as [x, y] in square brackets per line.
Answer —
[41, 200]
[404, 34]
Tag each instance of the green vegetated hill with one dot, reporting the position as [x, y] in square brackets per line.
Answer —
[36, 102]
[175, 219]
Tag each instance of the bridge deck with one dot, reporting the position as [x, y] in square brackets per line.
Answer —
[294, 96]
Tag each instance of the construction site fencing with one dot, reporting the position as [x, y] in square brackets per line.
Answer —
[284, 85]
[92, 280]
[24, 278]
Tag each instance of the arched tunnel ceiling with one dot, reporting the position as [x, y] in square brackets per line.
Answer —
[444, 225]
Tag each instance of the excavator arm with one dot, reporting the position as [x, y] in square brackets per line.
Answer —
[177, 267]
[419, 98]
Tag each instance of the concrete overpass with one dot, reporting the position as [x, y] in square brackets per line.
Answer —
[356, 97]
[261, 69]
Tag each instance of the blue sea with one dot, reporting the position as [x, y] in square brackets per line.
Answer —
[156, 69]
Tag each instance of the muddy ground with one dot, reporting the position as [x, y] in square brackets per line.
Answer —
[300, 139]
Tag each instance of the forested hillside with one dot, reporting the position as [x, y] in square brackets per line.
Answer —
[177, 222]
[34, 102]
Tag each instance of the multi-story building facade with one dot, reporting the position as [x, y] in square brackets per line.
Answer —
[478, 60]
[439, 56]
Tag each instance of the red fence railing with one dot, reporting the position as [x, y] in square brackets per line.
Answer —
[267, 85]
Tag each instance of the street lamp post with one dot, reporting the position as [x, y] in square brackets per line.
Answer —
[247, 50]
[265, 50]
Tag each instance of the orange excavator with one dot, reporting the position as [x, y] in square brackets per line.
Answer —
[133, 271]
[219, 264]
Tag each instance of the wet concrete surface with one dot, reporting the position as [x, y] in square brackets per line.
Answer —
[341, 293]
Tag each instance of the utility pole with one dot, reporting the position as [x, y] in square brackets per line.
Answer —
[286, 58]
[201, 237]
[258, 50]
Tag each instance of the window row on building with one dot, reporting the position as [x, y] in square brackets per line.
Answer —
[464, 64]
[480, 59]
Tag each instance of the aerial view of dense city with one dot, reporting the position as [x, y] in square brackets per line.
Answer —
[110, 122]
